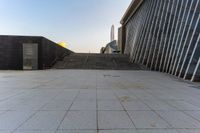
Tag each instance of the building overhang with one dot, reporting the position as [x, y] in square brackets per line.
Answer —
[135, 4]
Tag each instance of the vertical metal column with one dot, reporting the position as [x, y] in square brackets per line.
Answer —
[182, 35]
[150, 35]
[192, 59]
[160, 29]
[165, 50]
[170, 44]
[187, 38]
[140, 42]
[177, 32]
[195, 74]
[143, 22]
[153, 44]
[162, 35]
[147, 32]
[190, 46]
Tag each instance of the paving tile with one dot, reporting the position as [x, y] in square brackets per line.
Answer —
[183, 105]
[105, 95]
[157, 131]
[87, 95]
[3, 131]
[194, 101]
[114, 120]
[135, 105]
[118, 131]
[159, 105]
[57, 105]
[22, 105]
[76, 131]
[44, 120]
[179, 120]
[80, 120]
[13, 119]
[4, 106]
[194, 114]
[142, 94]
[84, 105]
[189, 130]
[35, 131]
[109, 105]
[67, 95]
[28, 106]
[147, 119]
[1, 112]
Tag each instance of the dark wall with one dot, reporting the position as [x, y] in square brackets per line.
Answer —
[11, 52]
[50, 53]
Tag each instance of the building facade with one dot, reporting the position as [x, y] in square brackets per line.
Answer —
[164, 35]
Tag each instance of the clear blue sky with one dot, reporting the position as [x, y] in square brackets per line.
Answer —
[84, 24]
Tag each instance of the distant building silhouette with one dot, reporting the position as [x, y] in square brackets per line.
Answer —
[111, 47]
[112, 33]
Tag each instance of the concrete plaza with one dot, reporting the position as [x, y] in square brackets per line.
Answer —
[94, 101]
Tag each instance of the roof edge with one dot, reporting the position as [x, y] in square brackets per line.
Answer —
[134, 5]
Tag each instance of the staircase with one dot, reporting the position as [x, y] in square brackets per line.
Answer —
[97, 61]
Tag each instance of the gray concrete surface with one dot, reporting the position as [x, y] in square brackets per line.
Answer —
[95, 101]
[98, 62]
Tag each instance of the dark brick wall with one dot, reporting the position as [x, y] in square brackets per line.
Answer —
[11, 52]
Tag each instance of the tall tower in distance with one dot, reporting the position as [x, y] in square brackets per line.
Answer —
[112, 33]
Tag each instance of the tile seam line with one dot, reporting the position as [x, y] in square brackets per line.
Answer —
[183, 111]
[97, 112]
[125, 111]
[65, 115]
[154, 110]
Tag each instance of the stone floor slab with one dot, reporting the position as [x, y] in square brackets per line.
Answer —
[90, 100]
[110, 105]
[189, 130]
[80, 120]
[35, 131]
[84, 105]
[114, 120]
[118, 131]
[13, 119]
[57, 105]
[147, 119]
[135, 105]
[159, 105]
[44, 120]
[158, 131]
[76, 131]
[183, 105]
[179, 120]
[194, 114]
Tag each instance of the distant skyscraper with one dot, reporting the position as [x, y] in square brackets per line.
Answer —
[112, 33]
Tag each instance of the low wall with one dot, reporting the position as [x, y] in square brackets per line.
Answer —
[11, 52]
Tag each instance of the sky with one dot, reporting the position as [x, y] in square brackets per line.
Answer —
[84, 24]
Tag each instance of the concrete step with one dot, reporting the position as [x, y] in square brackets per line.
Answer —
[97, 61]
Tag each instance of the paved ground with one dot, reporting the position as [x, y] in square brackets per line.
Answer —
[91, 101]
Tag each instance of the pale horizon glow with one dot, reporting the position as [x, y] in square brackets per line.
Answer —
[83, 24]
